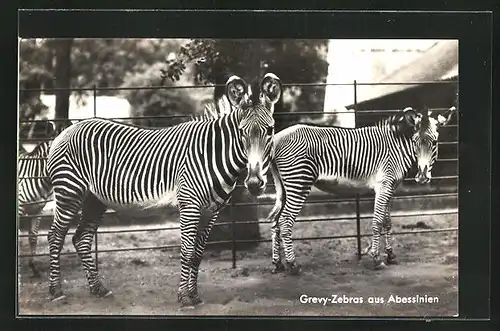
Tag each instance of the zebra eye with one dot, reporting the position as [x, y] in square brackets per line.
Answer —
[270, 130]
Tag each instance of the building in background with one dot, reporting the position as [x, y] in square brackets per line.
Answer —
[388, 61]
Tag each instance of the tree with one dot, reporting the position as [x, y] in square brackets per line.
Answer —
[294, 61]
[62, 78]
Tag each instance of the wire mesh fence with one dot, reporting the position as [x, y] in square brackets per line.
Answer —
[357, 198]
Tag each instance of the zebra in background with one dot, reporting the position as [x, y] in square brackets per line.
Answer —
[194, 165]
[33, 186]
[34, 190]
[377, 157]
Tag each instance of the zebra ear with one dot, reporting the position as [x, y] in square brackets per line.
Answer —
[412, 117]
[236, 89]
[50, 129]
[446, 117]
[270, 88]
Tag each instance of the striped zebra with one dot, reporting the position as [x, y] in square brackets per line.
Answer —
[377, 157]
[99, 163]
[33, 186]
[34, 190]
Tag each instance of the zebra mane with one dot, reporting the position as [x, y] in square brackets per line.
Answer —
[396, 123]
[214, 110]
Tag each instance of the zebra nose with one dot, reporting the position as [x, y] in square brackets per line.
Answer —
[422, 178]
[255, 185]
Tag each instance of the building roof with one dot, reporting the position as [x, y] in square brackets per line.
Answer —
[438, 63]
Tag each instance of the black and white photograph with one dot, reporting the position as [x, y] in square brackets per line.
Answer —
[238, 177]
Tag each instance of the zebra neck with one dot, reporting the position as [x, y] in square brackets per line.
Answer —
[408, 152]
[226, 152]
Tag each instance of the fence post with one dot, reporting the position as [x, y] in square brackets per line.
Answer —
[355, 102]
[94, 88]
[233, 229]
[96, 254]
[358, 226]
[95, 99]
[358, 217]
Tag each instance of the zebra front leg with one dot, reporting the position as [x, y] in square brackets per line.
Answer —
[391, 257]
[199, 248]
[189, 219]
[383, 195]
[90, 220]
[278, 266]
[33, 239]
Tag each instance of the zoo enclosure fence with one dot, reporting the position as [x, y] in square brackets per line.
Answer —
[357, 199]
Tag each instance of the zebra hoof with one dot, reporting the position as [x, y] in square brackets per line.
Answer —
[101, 292]
[56, 294]
[278, 267]
[57, 297]
[293, 268]
[186, 302]
[195, 298]
[379, 265]
[391, 257]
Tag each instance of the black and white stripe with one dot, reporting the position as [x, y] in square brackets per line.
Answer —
[99, 163]
[377, 157]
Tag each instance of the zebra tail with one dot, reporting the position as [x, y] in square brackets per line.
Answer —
[280, 195]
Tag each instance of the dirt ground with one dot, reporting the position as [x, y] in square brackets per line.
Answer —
[145, 282]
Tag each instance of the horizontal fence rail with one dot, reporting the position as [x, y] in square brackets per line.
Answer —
[357, 199]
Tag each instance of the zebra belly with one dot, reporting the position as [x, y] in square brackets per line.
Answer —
[345, 185]
[167, 199]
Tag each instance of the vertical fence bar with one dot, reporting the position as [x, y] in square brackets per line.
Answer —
[358, 226]
[95, 99]
[233, 230]
[94, 90]
[96, 255]
[358, 217]
[355, 101]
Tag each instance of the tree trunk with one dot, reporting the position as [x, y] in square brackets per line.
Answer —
[63, 79]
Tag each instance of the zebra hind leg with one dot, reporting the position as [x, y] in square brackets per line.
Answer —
[33, 239]
[383, 196]
[391, 257]
[92, 212]
[286, 221]
[66, 210]
[278, 266]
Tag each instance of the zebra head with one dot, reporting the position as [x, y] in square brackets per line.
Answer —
[426, 125]
[256, 126]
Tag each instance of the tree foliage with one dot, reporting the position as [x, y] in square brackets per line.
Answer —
[294, 61]
[159, 102]
[109, 63]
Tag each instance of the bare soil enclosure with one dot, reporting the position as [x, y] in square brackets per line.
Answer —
[145, 282]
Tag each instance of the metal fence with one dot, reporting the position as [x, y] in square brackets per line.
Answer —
[357, 199]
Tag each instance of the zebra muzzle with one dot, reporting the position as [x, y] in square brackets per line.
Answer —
[422, 176]
[255, 185]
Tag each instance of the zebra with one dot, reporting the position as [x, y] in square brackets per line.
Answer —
[194, 165]
[33, 186]
[34, 190]
[376, 157]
